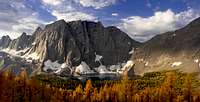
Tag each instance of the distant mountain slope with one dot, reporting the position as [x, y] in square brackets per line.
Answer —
[178, 49]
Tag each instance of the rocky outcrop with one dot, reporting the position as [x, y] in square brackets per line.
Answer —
[37, 33]
[22, 42]
[5, 41]
[128, 69]
[81, 41]
[178, 49]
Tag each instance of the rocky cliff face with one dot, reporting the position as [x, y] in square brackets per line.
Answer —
[22, 42]
[5, 41]
[62, 46]
[178, 49]
[37, 32]
[78, 41]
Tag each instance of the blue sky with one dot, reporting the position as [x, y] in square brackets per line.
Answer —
[140, 19]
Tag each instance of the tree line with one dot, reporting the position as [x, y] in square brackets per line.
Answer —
[21, 88]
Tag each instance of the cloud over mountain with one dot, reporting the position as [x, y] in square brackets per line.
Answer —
[142, 29]
[53, 2]
[67, 10]
[135, 18]
[97, 4]
[16, 17]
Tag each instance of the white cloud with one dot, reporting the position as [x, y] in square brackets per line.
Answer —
[11, 33]
[68, 11]
[186, 17]
[28, 24]
[16, 17]
[143, 29]
[114, 14]
[97, 4]
[72, 16]
[53, 2]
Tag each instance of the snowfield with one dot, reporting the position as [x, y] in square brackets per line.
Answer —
[128, 65]
[131, 52]
[176, 64]
[33, 56]
[103, 70]
[14, 52]
[34, 43]
[54, 66]
[83, 68]
[98, 58]
[115, 67]
[196, 60]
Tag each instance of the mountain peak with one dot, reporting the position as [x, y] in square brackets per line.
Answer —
[85, 22]
[6, 37]
[60, 21]
[4, 41]
[57, 24]
[23, 34]
[38, 29]
[37, 32]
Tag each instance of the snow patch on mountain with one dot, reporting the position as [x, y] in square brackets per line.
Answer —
[176, 64]
[196, 60]
[115, 67]
[33, 43]
[129, 64]
[98, 58]
[132, 51]
[34, 56]
[14, 52]
[57, 68]
[54, 66]
[146, 64]
[64, 65]
[83, 68]
[125, 66]
[102, 69]
[174, 34]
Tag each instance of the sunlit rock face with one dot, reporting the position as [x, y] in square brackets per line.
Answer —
[77, 41]
[72, 43]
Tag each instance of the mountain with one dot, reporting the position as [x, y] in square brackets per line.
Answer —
[83, 41]
[5, 41]
[82, 46]
[173, 50]
[22, 42]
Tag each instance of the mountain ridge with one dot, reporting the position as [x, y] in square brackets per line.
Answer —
[76, 43]
[164, 50]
